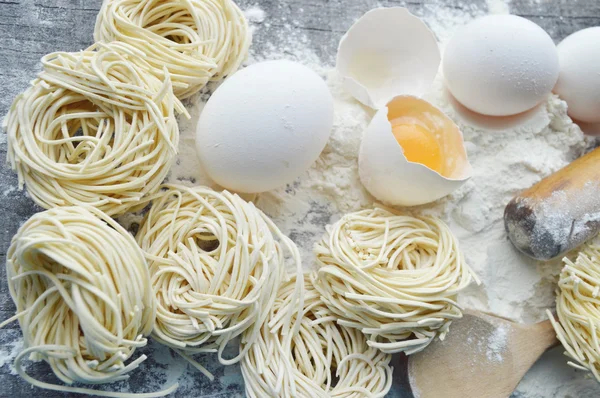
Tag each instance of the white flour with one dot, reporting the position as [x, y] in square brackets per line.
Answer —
[504, 162]
[491, 343]
[255, 14]
[497, 344]
[9, 352]
[498, 6]
[506, 159]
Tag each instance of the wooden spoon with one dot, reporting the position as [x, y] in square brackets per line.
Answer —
[482, 356]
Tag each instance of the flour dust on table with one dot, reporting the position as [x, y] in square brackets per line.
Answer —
[506, 159]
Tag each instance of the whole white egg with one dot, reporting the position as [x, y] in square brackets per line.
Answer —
[264, 126]
[579, 80]
[500, 65]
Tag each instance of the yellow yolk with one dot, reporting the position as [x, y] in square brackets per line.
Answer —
[420, 145]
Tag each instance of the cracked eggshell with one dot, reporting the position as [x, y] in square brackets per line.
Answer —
[387, 52]
[390, 177]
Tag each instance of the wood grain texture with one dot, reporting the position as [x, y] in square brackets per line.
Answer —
[558, 213]
[32, 28]
[481, 350]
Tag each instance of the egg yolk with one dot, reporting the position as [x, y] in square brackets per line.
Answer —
[419, 144]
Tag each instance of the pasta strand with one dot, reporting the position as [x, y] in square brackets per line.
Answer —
[215, 263]
[81, 287]
[578, 309]
[93, 129]
[312, 356]
[196, 40]
[394, 277]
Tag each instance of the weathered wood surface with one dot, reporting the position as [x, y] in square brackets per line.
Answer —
[32, 28]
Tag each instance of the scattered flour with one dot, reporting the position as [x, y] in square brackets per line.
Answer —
[507, 157]
[255, 14]
[8, 353]
[9, 190]
[490, 342]
[498, 6]
[444, 20]
[555, 230]
[497, 344]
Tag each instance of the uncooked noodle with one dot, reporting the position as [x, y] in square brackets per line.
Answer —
[320, 359]
[578, 309]
[82, 291]
[197, 40]
[392, 276]
[93, 129]
[215, 263]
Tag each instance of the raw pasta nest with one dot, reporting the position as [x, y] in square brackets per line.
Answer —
[93, 129]
[578, 309]
[82, 291]
[395, 277]
[197, 40]
[214, 264]
[308, 354]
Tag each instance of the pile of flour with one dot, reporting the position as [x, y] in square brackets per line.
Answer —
[507, 157]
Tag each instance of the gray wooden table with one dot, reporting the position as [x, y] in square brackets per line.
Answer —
[32, 28]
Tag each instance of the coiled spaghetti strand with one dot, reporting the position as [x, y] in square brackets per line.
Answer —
[215, 262]
[197, 40]
[578, 309]
[392, 276]
[312, 356]
[93, 129]
[82, 291]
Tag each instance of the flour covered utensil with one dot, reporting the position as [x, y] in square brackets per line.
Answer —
[559, 213]
[484, 356]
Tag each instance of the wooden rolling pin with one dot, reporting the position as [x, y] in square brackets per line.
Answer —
[559, 213]
[482, 356]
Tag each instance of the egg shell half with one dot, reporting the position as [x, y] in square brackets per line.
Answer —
[579, 80]
[390, 177]
[387, 52]
[264, 126]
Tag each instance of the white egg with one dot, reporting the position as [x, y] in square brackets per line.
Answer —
[264, 126]
[387, 52]
[500, 65]
[412, 154]
[579, 80]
